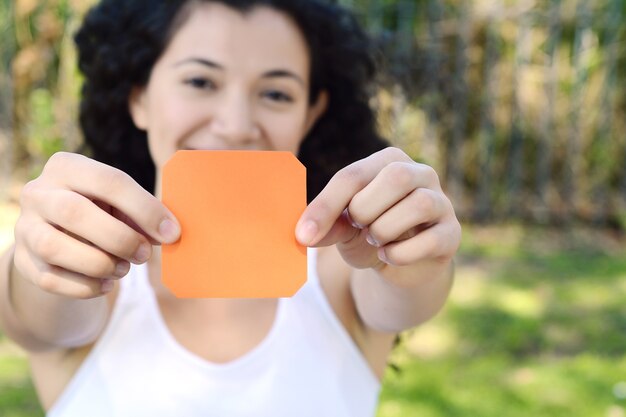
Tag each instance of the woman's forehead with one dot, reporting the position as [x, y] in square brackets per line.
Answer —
[260, 37]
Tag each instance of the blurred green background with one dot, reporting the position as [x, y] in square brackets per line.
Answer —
[520, 106]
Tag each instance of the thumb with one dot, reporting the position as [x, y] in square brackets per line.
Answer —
[340, 232]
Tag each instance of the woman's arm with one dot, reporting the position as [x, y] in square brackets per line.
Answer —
[394, 301]
[40, 321]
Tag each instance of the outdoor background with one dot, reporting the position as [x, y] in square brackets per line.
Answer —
[520, 106]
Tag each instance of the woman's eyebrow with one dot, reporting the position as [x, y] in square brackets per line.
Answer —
[284, 73]
[201, 61]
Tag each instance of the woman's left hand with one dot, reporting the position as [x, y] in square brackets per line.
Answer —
[384, 210]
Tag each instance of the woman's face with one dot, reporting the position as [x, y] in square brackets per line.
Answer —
[228, 80]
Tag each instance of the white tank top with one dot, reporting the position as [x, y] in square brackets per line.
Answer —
[307, 365]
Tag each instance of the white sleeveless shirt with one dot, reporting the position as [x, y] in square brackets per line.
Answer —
[307, 365]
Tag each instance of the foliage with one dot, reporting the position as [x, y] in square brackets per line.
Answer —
[516, 104]
[45, 80]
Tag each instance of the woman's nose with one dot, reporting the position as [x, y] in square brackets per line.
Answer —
[234, 121]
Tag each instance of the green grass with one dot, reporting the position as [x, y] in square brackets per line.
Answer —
[17, 396]
[535, 326]
[501, 385]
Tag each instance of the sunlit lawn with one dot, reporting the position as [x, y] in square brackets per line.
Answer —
[536, 326]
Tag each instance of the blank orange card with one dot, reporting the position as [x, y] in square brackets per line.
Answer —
[238, 212]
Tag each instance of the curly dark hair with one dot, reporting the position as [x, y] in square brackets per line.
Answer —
[120, 41]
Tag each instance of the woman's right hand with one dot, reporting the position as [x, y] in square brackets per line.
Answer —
[82, 223]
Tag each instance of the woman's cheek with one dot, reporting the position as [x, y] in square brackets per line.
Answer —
[289, 133]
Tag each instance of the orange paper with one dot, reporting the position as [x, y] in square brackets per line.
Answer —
[238, 212]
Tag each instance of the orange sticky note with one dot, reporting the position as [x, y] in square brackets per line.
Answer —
[238, 212]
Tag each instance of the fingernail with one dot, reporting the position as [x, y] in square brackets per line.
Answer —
[106, 285]
[121, 269]
[142, 254]
[352, 222]
[356, 225]
[306, 232]
[169, 231]
[370, 239]
[383, 256]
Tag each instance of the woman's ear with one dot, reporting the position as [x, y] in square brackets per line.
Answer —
[316, 110]
[137, 107]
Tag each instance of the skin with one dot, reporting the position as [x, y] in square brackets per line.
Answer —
[386, 231]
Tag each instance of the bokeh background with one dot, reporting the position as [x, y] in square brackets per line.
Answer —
[520, 106]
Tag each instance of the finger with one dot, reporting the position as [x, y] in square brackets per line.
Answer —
[321, 214]
[394, 182]
[56, 248]
[81, 217]
[58, 281]
[116, 188]
[438, 242]
[124, 219]
[341, 231]
[130, 222]
[423, 207]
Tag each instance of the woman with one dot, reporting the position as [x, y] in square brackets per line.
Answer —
[107, 338]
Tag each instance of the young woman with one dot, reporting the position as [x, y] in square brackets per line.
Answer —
[81, 289]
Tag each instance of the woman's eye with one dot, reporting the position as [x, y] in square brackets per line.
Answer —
[200, 83]
[278, 96]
